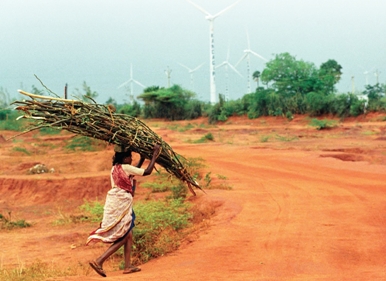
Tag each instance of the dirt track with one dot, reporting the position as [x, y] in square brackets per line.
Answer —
[307, 209]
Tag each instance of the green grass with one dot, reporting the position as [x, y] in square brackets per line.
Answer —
[22, 150]
[49, 131]
[287, 138]
[323, 124]
[7, 223]
[159, 226]
[206, 138]
[82, 143]
[40, 271]
[180, 128]
[264, 138]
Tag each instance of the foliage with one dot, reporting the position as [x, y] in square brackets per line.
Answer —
[289, 76]
[8, 121]
[83, 143]
[256, 77]
[94, 211]
[40, 271]
[86, 92]
[207, 137]
[6, 222]
[131, 109]
[21, 149]
[158, 226]
[323, 124]
[317, 103]
[224, 109]
[376, 94]
[174, 103]
[49, 131]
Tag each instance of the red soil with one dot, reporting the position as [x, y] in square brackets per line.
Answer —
[305, 204]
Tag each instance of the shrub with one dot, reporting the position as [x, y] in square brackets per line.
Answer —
[94, 211]
[323, 124]
[205, 138]
[7, 223]
[158, 226]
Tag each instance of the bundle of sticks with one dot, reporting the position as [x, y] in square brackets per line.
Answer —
[101, 122]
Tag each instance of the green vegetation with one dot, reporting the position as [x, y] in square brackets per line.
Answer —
[174, 103]
[82, 143]
[8, 121]
[159, 225]
[49, 131]
[39, 271]
[323, 124]
[207, 137]
[6, 222]
[22, 150]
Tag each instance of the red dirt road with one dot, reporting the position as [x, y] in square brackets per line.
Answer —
[312, 208]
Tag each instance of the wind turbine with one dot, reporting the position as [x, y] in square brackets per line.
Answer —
[212, 64]
[227, 64]
[247, 53]
[131, 81]
[191, 72]
[366, 73]
[168, 72]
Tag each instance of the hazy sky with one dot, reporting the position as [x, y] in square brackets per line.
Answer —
[71, 41]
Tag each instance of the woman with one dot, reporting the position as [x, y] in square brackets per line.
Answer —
[118, 215]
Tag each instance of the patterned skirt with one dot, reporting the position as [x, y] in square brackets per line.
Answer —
[118, 217]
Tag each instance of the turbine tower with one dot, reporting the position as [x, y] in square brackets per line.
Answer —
[131, 81]
[191, 72]
[211, 18]
[366, 73]
[227, 64]
[247, 53]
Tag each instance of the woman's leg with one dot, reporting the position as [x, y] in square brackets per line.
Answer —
[129, 268]
[127, 249]
[112, 249]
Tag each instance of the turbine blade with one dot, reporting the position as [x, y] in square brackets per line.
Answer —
[235, 70]
[199, 8]
[221, 64]
[124, 83]
[185, 66]
[138, 83]
[243, 57]
[198, 67]
[257, 55]
[226, 9]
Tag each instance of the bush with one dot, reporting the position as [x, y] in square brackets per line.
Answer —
[317, 103]
[7, 223]
[158, 226]
[322, 124]
[131, 109]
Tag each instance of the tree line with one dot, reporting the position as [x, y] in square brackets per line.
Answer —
[286, 86]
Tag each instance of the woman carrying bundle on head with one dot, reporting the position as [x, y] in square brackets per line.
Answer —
[118, 217]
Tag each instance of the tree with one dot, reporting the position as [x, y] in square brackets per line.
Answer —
[172, 103]
[329, 74]
[88, 93]
[256, 77]
[289, 76]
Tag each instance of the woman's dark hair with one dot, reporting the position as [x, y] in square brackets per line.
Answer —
[119, 156]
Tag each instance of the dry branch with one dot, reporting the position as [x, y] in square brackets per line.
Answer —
[99, 122]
